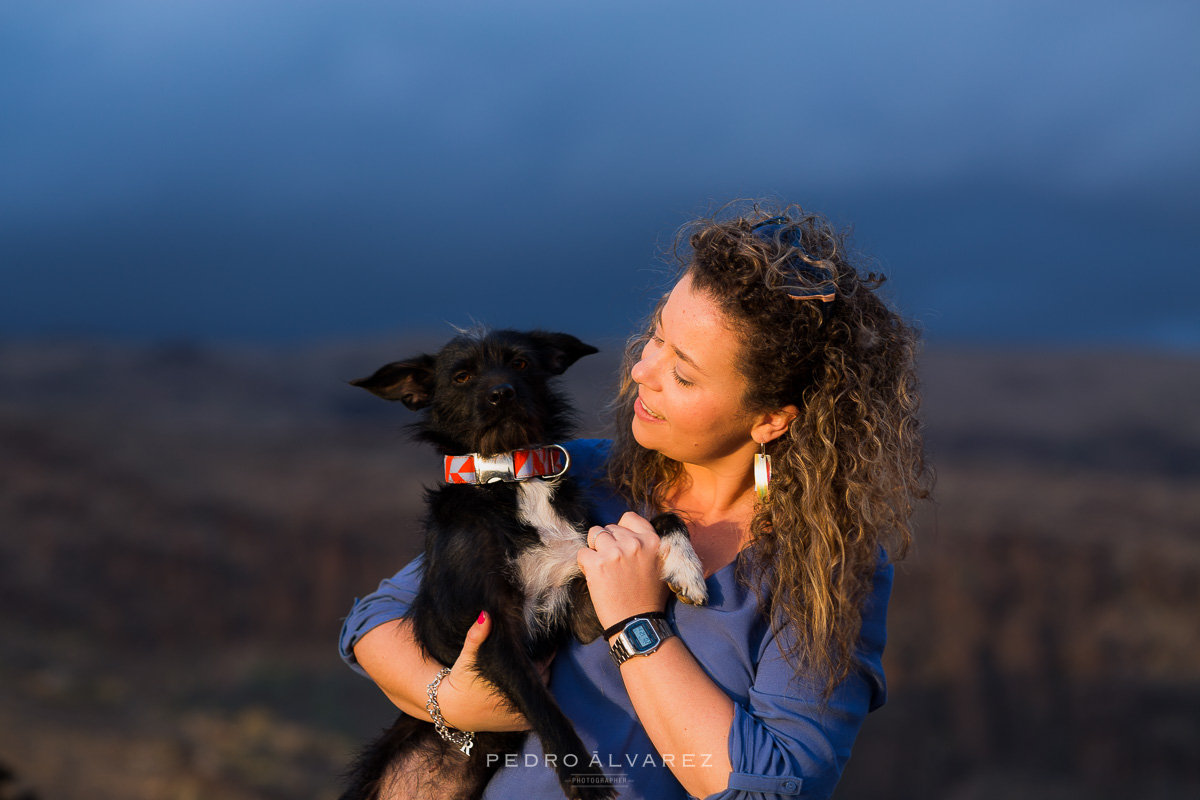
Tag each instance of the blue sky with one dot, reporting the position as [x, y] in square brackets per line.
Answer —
[271, 170]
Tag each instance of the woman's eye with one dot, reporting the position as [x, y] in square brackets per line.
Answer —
[681, 381]
[462, 377]
[519, 363]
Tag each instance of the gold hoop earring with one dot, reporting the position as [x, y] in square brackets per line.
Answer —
[762, 472]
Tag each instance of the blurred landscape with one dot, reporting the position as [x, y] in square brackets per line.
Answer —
[182, 528]
[183, 525]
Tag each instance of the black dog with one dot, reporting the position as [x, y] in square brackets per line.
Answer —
[502, 544]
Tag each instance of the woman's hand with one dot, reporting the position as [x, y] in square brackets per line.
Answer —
[624, 579]
[622, 569]
[468, 701]
[391, 656]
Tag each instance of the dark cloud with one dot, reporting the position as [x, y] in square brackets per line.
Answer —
[283, 169]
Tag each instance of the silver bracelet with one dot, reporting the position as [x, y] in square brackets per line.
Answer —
[463, 740]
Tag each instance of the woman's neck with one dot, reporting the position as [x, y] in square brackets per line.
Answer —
[718, 506]
[713, 494]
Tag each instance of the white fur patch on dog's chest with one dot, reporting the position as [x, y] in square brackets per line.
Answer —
[547, 569]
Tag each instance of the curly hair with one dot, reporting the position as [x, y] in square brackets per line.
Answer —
[846, 474]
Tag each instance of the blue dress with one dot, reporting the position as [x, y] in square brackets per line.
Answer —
[783, 743]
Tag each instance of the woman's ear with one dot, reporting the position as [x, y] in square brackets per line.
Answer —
[773, 424]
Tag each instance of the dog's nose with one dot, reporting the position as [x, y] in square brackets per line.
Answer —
[501, 393]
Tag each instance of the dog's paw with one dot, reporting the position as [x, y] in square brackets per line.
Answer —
[682, 571]
[693, 594]
[681, 568]
[682, 595]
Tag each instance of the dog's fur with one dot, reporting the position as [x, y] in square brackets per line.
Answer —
[507, 548]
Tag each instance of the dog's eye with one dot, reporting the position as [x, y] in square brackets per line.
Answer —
[519, 363]
[462, 377]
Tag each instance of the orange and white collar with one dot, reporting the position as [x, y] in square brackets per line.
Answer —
[551, 461]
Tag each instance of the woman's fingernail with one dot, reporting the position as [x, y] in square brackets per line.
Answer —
[482, 617]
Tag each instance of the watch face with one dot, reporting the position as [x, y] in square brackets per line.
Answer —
[641, 635]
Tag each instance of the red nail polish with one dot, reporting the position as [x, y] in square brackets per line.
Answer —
[482, 616]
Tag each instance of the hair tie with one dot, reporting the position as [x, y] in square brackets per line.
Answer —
[825, 288]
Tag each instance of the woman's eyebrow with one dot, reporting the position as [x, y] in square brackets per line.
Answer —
[685, 358]
[682, 356]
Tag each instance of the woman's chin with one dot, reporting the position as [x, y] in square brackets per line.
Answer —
[643, 434]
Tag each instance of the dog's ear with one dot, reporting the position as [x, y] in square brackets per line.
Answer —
[409, 381]
[561, 349]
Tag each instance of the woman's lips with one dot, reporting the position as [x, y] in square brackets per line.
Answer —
[645, 412]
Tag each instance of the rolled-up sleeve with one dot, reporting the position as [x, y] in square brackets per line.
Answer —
[389, 602]
[785, 741]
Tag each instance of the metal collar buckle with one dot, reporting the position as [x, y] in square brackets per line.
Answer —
[489, 469]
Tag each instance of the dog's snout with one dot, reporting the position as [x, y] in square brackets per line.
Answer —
[501, 393]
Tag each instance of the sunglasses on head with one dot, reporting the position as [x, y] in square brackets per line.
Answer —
[775, 229]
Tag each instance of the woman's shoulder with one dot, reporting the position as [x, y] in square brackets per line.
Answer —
[589, 458]
[589, 469]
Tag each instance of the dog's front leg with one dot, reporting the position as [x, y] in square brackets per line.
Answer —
[548, 571]
[681, 567]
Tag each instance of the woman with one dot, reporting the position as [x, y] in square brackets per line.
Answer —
[773, 405]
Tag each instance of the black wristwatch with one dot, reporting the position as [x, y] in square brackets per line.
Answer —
[640, 635]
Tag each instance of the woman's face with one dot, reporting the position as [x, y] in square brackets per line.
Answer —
[689, 405]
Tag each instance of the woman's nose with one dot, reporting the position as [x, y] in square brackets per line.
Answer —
[642, 372]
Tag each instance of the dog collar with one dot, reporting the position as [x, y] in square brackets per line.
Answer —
[519, 465]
